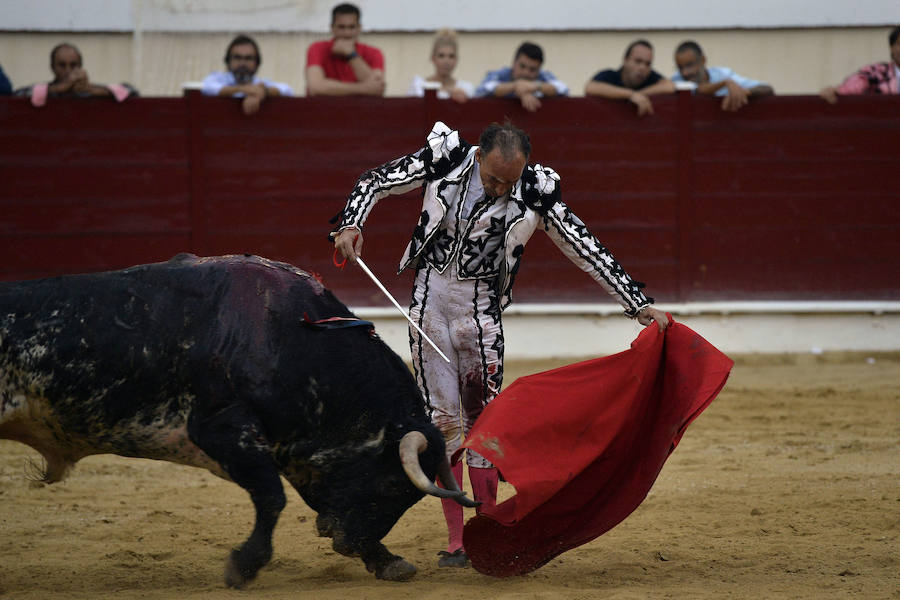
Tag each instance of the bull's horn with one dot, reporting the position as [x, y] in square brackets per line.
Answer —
[445, 476]
[411, 445]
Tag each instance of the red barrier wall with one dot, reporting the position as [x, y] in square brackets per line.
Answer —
[790, 198]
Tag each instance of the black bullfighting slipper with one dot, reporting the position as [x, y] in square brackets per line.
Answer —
[457, 558]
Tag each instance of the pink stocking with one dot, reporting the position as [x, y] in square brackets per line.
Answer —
[453, 514]
[484, 487]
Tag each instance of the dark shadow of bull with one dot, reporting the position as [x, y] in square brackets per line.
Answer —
[232, 364]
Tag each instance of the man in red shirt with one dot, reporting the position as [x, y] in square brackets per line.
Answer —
[342, 66]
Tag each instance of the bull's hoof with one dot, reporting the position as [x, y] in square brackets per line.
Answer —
[235, 577]
[398, 570]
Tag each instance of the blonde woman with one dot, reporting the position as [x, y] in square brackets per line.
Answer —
[444, 56]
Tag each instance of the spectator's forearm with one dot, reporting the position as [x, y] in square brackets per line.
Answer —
[361, 69]
[333, 87]
[548, 89]
[710, 89]
[664, 86]
[759, 91]
[504, 89]
[99, 91]
[60, 87]
[607, 90]
[231, 90]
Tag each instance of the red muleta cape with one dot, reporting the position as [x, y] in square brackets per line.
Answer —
[584, 443]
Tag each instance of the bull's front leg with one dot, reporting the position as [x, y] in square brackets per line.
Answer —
[385, 565]
[375, 555]
[245, 562]
[232, 437]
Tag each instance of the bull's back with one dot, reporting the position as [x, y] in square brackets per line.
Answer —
[88, 335]
[118, 361]
[98, 362]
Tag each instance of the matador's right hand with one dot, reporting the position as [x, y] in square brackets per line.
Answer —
[349, 243]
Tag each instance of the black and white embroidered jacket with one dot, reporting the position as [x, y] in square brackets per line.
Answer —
[490, 247]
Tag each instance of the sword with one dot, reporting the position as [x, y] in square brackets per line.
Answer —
[371, 275]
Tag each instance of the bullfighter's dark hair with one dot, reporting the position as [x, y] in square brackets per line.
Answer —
[689, 45]
[240, 41]
[59, 47]
[895, 33]
[531, 50]
[641, 42]
[345, 9]
[507, 138]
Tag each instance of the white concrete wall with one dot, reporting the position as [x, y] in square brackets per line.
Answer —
[569, 331]
[794, 61]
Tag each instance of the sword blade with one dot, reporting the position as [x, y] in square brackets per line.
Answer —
[384, 291]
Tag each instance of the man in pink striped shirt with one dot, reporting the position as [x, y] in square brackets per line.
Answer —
[877, 78]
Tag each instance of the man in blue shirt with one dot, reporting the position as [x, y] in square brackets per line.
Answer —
[243, 59]
[524, 80]
[716, 81]
[635, 81]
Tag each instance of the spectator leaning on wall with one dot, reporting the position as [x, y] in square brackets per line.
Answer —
[716, 81]
[71, 80]
[242, 57]
[876, 78]
[444, 56]
[635, 80]
[342, 66]
[524, 80]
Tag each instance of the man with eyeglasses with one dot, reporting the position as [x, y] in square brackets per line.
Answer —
[481, 205]
[240, 81]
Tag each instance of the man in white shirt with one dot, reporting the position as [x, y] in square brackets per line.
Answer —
[240, 81]
[737, 91]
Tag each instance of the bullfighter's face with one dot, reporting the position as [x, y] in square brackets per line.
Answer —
[499, 173]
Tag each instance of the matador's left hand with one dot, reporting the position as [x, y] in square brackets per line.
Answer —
[648, 314]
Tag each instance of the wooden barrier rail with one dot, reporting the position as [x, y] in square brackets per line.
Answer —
[788, 199]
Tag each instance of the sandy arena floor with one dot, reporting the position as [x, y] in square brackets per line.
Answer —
[788, 486]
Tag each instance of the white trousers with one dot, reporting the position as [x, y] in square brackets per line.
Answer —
[463, 319]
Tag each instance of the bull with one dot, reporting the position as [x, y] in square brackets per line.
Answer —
[244, 366]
